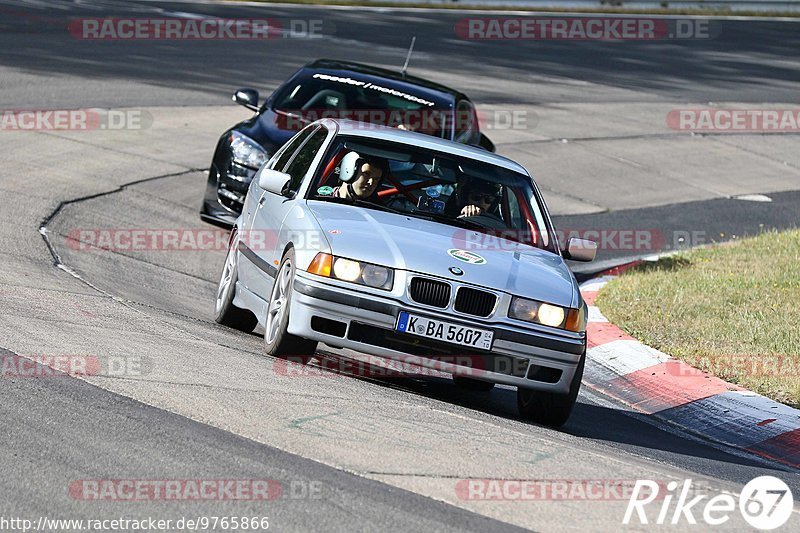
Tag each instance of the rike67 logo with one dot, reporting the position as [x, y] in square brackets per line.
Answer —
[765, 503]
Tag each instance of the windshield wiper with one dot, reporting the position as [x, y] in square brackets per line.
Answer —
[364, 203]
[462, 222]
[360, 203]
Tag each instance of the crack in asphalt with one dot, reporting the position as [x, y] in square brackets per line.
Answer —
[654, 170]
[58, 263]
[646, 136]
[638, 136]
[720, 139]
[53, 214]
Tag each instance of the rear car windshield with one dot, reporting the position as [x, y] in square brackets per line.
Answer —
[319, 95]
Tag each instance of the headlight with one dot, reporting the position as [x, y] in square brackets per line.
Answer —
[346, 270]
[551, 315]
[546, 314]
[247, 152]
[376, 276]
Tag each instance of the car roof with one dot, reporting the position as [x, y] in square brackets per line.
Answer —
[354, 128]
[441, 95]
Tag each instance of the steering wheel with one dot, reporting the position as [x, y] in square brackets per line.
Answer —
[487, 219]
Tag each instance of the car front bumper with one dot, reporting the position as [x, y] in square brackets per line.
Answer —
[346, 318]
[225, 194]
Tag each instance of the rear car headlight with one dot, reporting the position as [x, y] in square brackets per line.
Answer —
[246, 151]
[340, 268]
[546, 314]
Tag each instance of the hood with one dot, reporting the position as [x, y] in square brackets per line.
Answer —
[429, 247]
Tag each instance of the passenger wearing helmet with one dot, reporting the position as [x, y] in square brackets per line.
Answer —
[360, 176]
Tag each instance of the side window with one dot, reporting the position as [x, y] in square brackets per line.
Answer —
[519, 220]
[291, 147]
[299, 166]
[465, 121]
[514, 211]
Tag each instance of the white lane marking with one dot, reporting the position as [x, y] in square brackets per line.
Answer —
[733, 417]
[625, 356]
[185, 15]
[595, 315]
[596, 284]
[661, 422]
[753, 197]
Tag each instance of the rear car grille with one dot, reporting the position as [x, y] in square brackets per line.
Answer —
[429, 292]
[474, 302]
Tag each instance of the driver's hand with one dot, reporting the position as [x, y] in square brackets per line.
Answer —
[471, 211]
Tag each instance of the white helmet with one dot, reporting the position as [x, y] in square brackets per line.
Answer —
[349, 167]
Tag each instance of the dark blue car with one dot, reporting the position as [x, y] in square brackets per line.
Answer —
[333, 89]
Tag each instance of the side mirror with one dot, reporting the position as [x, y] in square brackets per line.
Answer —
[272, 180]
[486, 144]
[246, 97]
[580, 250]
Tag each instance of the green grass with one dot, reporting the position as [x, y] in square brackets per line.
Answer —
[465, 4]
[732, 310]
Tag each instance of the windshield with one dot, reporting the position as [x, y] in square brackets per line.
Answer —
[421, 183]
[315, 96]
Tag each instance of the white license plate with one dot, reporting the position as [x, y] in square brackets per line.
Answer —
[444, 331]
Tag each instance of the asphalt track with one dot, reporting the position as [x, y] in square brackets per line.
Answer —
[388, 453]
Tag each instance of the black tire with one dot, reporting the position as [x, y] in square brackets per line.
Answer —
[548, 408]
[472, 384]
[225, 312]
[277, 341]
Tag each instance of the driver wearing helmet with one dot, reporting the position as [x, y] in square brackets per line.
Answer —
[360, 176]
